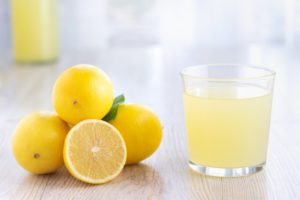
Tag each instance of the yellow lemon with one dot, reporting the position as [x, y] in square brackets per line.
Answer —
[141, 130]
[82, 92]
[38, 142]
[94, 151]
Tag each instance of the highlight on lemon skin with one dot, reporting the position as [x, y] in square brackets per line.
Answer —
[94, 152]
[141, 130]
[38, 141]
[82, 92]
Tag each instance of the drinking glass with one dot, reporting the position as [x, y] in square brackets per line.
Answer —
[227, 117]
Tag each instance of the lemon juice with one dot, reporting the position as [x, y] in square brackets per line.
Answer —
[34, 24]
[227, 125]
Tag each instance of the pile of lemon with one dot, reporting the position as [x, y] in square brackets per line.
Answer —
[93, 133]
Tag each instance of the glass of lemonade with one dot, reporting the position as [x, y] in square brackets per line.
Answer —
[35, 30]
[227, 116]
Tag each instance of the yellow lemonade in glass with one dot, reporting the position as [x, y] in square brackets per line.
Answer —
[227, 125]
[34, 24]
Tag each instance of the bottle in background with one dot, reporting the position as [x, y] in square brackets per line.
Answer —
[35, 32]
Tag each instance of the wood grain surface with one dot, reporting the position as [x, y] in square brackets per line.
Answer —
[150, 75]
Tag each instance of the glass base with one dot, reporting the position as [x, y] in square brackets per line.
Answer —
[226, 172]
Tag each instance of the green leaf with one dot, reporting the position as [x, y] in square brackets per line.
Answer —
[114, 109]
[119, 99]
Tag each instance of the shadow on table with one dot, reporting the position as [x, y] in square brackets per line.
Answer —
[254, 186]
[140, 174]
[132, 179]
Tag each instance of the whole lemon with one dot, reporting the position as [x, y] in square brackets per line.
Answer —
[141, 130]
[82, 92]
[38, 142]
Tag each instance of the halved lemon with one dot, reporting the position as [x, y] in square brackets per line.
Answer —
[94, 151]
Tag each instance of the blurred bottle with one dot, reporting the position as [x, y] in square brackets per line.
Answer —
[133, 22]
[35, 33]
[292, 28]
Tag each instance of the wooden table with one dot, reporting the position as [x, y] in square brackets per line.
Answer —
[150, 75]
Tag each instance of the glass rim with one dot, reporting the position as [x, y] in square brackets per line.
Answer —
[268, 72]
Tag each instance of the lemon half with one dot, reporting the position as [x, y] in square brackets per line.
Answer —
[94, 151]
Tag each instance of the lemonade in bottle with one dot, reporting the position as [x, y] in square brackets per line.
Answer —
[227, 119]
[35, 34]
